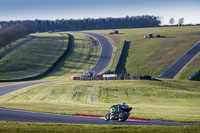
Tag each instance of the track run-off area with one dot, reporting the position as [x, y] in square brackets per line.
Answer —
[103, 61]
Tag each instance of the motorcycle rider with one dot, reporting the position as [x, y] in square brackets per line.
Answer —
[119, 111]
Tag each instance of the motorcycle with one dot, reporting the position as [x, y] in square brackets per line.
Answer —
[118, 112]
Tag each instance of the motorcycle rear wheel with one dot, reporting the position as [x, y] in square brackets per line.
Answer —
[124, 117]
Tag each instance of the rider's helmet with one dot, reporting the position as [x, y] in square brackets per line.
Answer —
[124, 105]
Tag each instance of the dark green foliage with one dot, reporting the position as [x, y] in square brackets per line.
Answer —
[89, 23]
[11, 33]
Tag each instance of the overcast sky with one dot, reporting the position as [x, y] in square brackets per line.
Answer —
[78, 9]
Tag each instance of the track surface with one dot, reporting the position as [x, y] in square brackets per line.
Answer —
[10, 88]
[182, 62]
[25, 116]
[106, 53]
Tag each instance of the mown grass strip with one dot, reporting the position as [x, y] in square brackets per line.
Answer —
[10, 127]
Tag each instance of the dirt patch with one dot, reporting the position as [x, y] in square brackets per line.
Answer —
[115, 38]
[93, 43]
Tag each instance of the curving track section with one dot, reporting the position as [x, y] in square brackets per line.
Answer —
[25, 116]
[106, 53]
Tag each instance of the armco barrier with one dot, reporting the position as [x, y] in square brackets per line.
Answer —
[50, 69]
[119, 77]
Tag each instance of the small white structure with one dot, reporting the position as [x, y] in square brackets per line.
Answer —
[109, 75]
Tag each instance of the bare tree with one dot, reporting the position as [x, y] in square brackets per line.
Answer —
[180, 21]
[171, 21]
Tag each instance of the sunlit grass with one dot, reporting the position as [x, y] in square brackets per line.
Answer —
[34, 57]
[10, 127]
[161, 100]
[82, 57]
[152, 56]
[13, 44]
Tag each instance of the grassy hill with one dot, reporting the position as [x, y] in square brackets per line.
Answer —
[152, 56]
[161, 100]
[172, 100]
[34, 57]
[82, 57]
[14, 44]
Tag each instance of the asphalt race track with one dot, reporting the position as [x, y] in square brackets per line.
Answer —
[10, 88]
[26, 116]
[106, 53]
[181, 63]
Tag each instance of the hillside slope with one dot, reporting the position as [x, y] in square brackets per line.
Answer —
[170, 100]
[82, 57]
[152, 56]
[34, 57]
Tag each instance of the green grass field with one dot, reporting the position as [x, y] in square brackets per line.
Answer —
[13, 44]
[33, 58]
[171, 100]
[155, 55]
[10, 127]
[82, 57]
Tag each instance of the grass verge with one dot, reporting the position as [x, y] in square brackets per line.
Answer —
[10, 127]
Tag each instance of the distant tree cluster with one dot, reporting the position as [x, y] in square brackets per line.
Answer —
[180, 21]
[12, 30]
[89, 23]
[11, 33]
[171, 21]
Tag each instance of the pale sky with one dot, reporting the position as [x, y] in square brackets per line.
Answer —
[78, 9]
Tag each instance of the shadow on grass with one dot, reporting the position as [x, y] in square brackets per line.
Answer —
[62, 63]
[156, 80]
[123, 59]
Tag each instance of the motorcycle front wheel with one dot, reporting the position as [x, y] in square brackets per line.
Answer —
[107, 117]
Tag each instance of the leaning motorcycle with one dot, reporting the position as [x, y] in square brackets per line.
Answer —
[118, 112]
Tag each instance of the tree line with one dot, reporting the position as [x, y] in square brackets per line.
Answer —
[180, 21]
[12, 30]
[11, 33]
